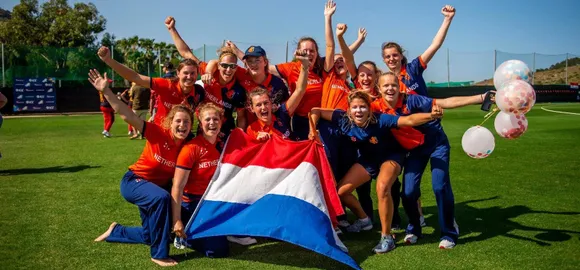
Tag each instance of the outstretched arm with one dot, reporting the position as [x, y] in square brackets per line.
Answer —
[125, 72]
[418, 119]
[456, 102]
[315, 115]
[301, 84]
[447, 11]
[181, 46]
[101, 84]
[329, 10]
[347, 53]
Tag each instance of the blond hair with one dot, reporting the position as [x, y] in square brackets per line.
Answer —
[366, 98]
[166, 124]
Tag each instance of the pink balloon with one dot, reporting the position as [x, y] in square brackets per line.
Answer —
[510, 126]
[517, 97]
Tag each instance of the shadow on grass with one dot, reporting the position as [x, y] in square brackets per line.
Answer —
[495, 221]
[54, 169]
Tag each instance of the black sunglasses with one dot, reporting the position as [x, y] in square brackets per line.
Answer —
[226, 66]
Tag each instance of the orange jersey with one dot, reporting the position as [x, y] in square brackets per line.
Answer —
[157, 162]
[334, 92]
[313, 95]
[169, 93]
[201, 158]
[407, 137]
[259, 126]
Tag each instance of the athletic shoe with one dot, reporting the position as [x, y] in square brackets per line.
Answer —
[104, 131]
[422, 221]
[343, 224]
[446, 244]
[107, 135]
[360, 224]
[411, 239]
[130, 133]
[386, 244]
[244, 241]
[134, 137]
[338, 231]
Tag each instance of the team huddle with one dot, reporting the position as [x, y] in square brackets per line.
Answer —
[372, 124]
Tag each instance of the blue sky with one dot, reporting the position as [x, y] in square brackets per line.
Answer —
[515, 28]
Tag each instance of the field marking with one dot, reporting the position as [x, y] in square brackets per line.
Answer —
[562, 112]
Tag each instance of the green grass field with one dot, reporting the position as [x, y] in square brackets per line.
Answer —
[517, 209]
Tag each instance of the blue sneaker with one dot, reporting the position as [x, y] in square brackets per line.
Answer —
[386, 244]
[364, 224]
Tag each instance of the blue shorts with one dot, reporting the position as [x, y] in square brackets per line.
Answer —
[373, 164]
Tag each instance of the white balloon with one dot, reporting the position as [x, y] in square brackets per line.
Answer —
[509, 71]
[517, 97]
[478, 142]
[509, 125]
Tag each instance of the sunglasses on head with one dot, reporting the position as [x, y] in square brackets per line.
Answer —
[227, 65]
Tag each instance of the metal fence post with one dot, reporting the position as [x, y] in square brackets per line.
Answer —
[286, 51]
[534, 68]
[204, 52]
[494, 60]
[3, 74]
[566, 67]
[448, 76]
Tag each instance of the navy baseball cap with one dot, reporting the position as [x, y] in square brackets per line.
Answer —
[256, 51]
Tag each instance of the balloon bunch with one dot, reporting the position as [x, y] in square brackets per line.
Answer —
[514, 98]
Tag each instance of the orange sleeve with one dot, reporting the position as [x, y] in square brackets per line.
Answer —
[202, 67]
[375, 107]
[187, 157]
[152, 132]
[162, 86]
[241, 73]
[285, 69]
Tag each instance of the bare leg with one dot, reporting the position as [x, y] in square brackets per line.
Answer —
[387, 176]
[356, 176]
[106, 234]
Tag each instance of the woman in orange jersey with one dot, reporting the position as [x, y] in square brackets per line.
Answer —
[195, 167]
[145, 182]
[276, 122]
[171, 91]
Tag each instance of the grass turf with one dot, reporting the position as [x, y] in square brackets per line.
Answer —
[518, 208]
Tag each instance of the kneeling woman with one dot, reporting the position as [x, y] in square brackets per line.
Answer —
[144, 184]
[378, 151]
[277, 121]
[196, 165]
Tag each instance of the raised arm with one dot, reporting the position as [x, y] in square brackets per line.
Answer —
[179, 180]
[362, 35]
[456, 102]
[345, 50]
[329, 10]
[418, 119]
[125, 72]
[181, 46]
[102, 84]
[448, 13]
[301, 84]
[239, 53]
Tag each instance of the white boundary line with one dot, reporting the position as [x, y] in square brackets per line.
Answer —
[548, 110]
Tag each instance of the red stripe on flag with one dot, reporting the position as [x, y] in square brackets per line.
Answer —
[276, 153]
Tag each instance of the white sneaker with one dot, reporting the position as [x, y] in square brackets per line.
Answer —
[360, 224]
[104, 131]
[422, 221]
[386, 244]
[343, 224]
[446, 244]
[107, 135]
[244, 241]
[411, 239]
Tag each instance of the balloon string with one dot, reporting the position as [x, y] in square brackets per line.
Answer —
[490, 114]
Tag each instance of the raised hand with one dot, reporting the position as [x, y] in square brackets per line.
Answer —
[231, 44]
[362, 33]
[170, 23]
[341, 29]
[448, 11]
[302, 56]
[104, 53]
[99, 82]
[207, 78]
[329, 8]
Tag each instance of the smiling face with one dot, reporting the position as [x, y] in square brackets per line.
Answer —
[339, 65]
[311, 50]
[389, 88]
[227, 67]
[262, 107]
[359, 111]
[181, 125]
[392, 58]
[366, 77]
[256, 65]
[187, 76]
[210, 122]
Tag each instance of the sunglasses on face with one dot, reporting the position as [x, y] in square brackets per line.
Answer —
[227, 65]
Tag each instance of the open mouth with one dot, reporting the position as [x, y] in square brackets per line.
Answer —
[182, 132]
[263, 114]
[212, 128]
[366, 84]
